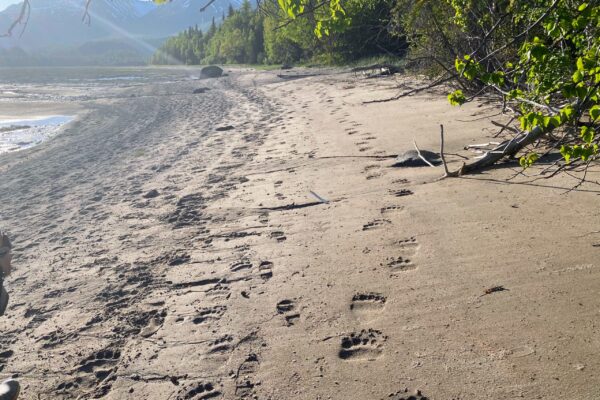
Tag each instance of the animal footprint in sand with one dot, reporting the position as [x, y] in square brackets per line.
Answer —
[263, 218]
[367, 304]
[149, 322]
[372, 171]
[401, 192]
[365, 345]
[198, 391]
[406, 395]
[209, 313]
[221, 345]
[377, 223]
[371, 167]
[409, 245]
[390, 209]
[4, 356]
[99, 359]
[244, 384]
[98, 372]
[278, 235]
[219, 290]
[240, 265]
[373, 176]
[400, 264]
[287, 308]
[265, 269]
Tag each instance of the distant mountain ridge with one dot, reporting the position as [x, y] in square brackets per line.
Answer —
[56, 25]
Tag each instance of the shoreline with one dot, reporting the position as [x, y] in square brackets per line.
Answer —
[20, 134]
[168, 245]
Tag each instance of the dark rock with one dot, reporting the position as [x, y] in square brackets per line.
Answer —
[225, 128]
[151, 194]
[287, 66]
[211, 71]
[411, 158]
[201, 90]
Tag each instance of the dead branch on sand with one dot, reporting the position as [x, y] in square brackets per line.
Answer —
[421, 155]
[438, 82]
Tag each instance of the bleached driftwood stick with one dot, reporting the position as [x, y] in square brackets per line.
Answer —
[421, 155]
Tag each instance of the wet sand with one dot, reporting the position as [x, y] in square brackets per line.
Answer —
[172, 245]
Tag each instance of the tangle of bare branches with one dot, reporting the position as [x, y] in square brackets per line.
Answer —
[22, 19]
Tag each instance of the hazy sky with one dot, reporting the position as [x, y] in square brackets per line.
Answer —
[6, 3]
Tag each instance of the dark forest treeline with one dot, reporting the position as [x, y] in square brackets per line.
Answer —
[264, 36]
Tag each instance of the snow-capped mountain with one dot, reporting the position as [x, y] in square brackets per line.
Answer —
[58, 23]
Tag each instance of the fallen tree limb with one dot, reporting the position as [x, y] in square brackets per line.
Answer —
[421, 155]
[413, 91]
[481, 146]
[504, 127]
[293, 206]
[506, 148]
[446, 172]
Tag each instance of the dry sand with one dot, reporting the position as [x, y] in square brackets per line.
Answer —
[232, 281]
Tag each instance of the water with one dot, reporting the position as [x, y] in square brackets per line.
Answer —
[35, 90]
[98, 75]
[20, 134]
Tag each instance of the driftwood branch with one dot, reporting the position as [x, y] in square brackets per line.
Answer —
[506, 148]
[421, 155]
[413, 91]
[481, 146]
[505, 127]
[446, 172]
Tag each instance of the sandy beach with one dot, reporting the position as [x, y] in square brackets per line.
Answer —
[254, 242]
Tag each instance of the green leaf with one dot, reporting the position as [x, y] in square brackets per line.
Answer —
[497, 77]
[566, 152]
[567, 113]
[578, 76]
[553, 122]
[538, 52]
[595, 112]
[528, 160]
[587, 134]
[457, 98]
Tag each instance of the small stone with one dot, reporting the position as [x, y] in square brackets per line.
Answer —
[151, 194]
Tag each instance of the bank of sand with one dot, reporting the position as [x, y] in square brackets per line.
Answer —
[230, 282]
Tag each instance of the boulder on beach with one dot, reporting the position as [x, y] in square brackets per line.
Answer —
[411, 158]
[211, 71]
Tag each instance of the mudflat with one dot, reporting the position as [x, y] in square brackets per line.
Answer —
[252, 240]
